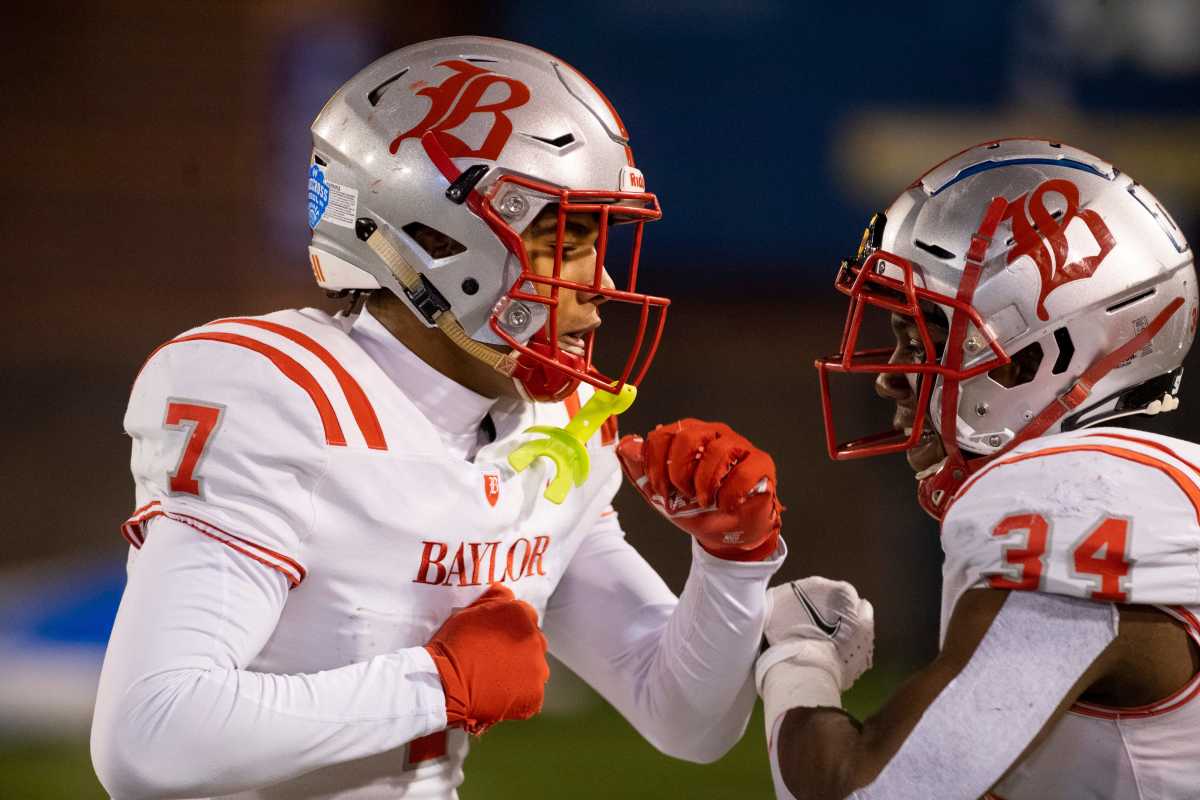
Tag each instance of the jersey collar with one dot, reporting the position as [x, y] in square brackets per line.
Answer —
[454, 410]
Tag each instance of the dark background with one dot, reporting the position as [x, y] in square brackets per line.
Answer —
[155, 156]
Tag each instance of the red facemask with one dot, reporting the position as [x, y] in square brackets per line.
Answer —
[884, 281]
[546, 372]
[870, 282]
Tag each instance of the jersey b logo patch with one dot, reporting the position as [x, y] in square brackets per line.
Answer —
[1042, 236]
[491, 488]
[458, 98]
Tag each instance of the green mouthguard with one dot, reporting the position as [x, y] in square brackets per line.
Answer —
[565, 446]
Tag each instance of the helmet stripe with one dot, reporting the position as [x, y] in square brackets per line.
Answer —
[985, 166]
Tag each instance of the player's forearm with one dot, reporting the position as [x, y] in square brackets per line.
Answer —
[174, 682]
[241, 729]
[815, 754]
[1010, 664]
[697, 694]
[677, 668]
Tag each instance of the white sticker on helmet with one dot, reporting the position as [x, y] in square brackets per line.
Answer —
[343, 205]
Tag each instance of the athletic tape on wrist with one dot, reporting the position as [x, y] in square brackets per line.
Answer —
[789, 677]
[815, 653]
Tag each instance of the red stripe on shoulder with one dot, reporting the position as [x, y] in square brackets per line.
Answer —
[290, 367]
[360, 405]
[1181, 479]
[1162, 448]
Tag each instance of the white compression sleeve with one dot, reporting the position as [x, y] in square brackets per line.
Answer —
[678, 669]
[1035, 650]
[177, 713]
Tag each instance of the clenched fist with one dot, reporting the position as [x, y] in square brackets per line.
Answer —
[491, 657]
[820, 622]
[710, 482]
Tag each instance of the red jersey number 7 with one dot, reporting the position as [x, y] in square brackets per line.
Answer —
[198, 421]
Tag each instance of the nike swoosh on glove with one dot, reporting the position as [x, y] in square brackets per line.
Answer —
[710, 482]
[821, 622]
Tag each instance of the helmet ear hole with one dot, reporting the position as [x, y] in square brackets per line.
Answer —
[1022, 369]
[1066, 351]
[432, 241]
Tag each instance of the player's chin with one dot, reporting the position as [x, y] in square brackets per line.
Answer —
[927, 452]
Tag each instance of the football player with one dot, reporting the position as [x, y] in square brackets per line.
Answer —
[339, 565]
[1038, 297]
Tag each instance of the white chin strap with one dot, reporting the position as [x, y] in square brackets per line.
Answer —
[414, 283]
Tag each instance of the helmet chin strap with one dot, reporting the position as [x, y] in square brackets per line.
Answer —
[533, 381]
[429, 302]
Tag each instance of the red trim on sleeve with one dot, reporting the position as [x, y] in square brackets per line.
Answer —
[134, 531]
[1180, 697]
[290, 367]
[1168, 704]
[360, 405]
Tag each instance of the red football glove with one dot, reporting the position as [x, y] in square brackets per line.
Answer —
[711, 483]
[491, 657]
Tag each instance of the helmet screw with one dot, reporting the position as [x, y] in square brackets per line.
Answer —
[1027, 415]
[981, 409]
[972, 344]
[470, 286]
[516, 317]
[994, 440]
[513, 206]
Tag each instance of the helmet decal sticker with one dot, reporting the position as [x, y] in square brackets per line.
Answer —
[330, 201]
[456, 99]
[318, 195]
[1042, 237]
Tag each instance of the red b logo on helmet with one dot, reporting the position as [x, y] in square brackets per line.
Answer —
[1044, 239]
[460, 96]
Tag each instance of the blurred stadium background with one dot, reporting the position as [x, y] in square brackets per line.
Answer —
[159, 150]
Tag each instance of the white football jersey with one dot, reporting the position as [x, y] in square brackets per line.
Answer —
[280, 437]
[1107, 514]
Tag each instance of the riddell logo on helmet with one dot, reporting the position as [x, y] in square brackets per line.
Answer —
[457, 99]
[632, 180]
[1037, 234]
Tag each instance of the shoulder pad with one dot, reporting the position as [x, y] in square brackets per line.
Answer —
[1101, 515]
[232, 426]
[293, 361]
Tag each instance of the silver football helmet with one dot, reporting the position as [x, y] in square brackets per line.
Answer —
[1033, 251]
[470, 138]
